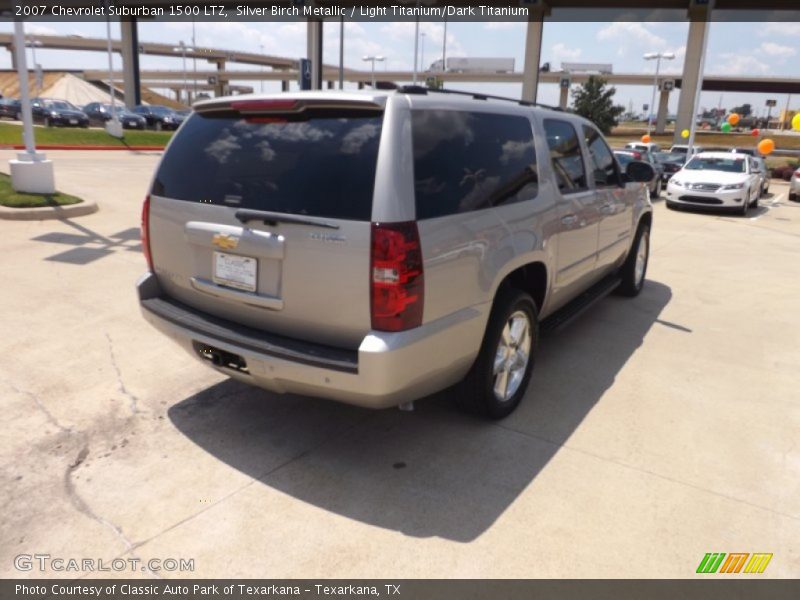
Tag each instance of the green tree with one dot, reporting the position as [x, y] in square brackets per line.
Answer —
[594, 101]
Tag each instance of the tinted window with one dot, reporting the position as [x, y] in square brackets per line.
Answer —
[565, 155]
[600, 158]
[623, 158]
[465, 161]
[319, 166]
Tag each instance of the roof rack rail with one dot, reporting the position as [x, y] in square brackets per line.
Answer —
[422, 90]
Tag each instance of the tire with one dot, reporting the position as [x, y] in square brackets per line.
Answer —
[657, 192]
[754, 204]
[745, 205]
[158, 126]
[672, 205]
[634, 269]
[792, 196]
[18, 116]
[47, 122]
[500, 356]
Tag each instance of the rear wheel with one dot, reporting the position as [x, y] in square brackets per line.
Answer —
[634, 268]
[499, 377]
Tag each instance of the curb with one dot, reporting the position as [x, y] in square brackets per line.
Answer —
[65, 147]
[48, 212]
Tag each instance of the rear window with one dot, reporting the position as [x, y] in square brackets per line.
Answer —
[319, 166]
[466, 161]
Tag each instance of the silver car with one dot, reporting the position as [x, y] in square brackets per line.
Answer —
[377, 247]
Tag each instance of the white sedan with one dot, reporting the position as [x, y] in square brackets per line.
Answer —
[723, 180]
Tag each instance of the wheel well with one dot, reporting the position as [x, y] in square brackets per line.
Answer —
[530, 278]
[647, 218]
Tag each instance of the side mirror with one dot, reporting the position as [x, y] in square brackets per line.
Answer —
[639, 171]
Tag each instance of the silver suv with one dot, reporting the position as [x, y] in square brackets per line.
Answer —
[377, 247]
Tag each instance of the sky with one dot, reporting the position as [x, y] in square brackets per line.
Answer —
[734, 48]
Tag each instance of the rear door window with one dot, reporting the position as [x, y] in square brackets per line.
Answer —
[316, 166]
[565, 156]
[466, 161]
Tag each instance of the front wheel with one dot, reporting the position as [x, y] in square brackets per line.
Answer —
[657, 191]
[499, 377]
[159, 126]
[634, 268]
[745, 204]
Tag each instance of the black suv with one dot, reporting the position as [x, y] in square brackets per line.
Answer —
[159, 117]
[9, 108]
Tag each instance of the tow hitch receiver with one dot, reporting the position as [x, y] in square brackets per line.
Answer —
[221, 358]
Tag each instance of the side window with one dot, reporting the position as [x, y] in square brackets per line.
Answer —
[466, 161]
[601, 159]
[565, 155]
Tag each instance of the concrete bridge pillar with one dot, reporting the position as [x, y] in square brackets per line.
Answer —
[692, 79]
[131, 82]
[563, 98]
[663, 105]
[314, 52]
[533, 53]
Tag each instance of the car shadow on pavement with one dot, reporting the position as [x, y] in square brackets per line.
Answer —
[434, 471]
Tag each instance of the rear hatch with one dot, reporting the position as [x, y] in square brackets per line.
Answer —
[260, 214]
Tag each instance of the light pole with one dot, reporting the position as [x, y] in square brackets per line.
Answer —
[422, 53]
[261, 46]
[194, 61]
[113, 126]
[182, 48]
[372, 59]
[657, 56]
[33, 44]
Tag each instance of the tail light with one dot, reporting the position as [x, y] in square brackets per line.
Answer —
[146, 233]
[637, 155]
[397, 278]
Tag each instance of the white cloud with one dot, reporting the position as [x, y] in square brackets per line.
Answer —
[627, 33]
[562, 53]
[34, 29]
[734, 63]
[504, 25]
[788, 28]
[776, 50]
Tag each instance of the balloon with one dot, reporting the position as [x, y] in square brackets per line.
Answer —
[685, 133]
[766, 146]
[755, 132]
[796, 122]
[733, 118]
[726, 128]
[645, 139]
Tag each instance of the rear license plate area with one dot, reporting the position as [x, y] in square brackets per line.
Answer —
[221, 358]
[234, 271]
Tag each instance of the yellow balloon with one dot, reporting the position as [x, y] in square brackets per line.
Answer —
[766, 146]
[796, 122]
[733, 118]
[685, 133]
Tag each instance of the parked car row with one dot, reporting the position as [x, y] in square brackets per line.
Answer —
[53, 112]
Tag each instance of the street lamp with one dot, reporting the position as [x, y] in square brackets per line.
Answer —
[183, 48]
[657, 56]
[372, 59]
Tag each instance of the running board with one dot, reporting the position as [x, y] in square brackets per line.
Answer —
[566, 314]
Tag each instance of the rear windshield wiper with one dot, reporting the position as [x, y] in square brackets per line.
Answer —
[272, 218]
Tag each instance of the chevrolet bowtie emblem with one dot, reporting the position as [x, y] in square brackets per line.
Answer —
[224, 241]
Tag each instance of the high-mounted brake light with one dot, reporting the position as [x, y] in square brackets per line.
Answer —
[146, 233]
[396, 277]
[264, 105]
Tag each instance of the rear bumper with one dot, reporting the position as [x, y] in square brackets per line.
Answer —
[386, 370]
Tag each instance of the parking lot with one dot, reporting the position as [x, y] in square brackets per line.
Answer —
[654, 430]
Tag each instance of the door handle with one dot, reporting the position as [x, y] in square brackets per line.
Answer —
[569, 220]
